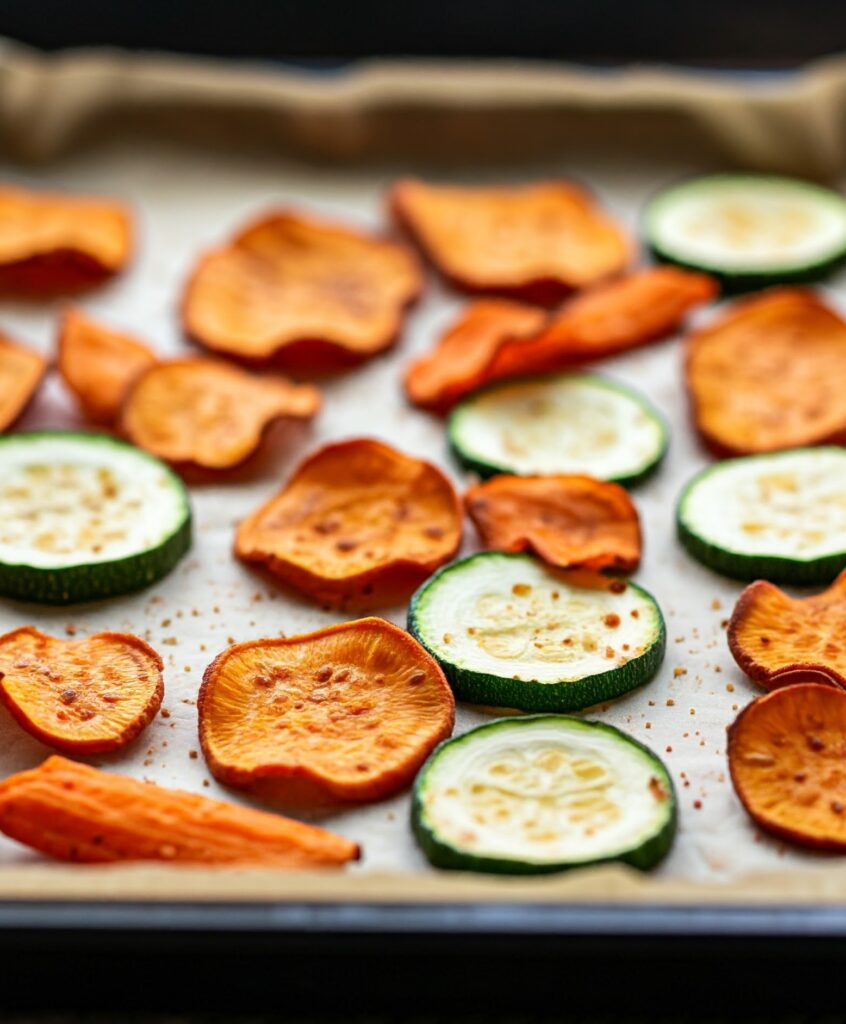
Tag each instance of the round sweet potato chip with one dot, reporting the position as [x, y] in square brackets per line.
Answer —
[493, 340]
[99, 364]
[786, 753]
[536, 242]
[55, 243]
[351, 711]
[81, 696]
[21, 372]
[776, 639]
[356, 522]
[568, 521]
[769, 375]
[205, 413]
[302, 293]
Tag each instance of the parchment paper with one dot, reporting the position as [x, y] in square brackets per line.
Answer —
[188, 199]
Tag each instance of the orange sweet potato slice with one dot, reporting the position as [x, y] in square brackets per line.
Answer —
[86, 696]
[769, 375]
[205, 413]
[74, 812]
[352, 711]
[54, 243]
[21, 372]
[99, 364]
[494, 340]
[776, 639]
[357, 522]
[568, 521]
[536, 242]
[786, 753]
[302, 293]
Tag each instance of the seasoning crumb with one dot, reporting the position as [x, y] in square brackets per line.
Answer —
[730, 687]
[70, 629]
[165, 713]
[670, 702]
[697, 805]
[679, 671]
[170, 641]
[716, 604]
[193, 755]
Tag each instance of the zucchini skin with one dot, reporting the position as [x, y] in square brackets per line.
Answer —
[74, 584]
[485, 470]
[450, 858]
[489, 690]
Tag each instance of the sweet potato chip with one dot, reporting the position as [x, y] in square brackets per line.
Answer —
[536, 242]
[56, 243]
[99, 364]
[301, 293]
[568, 521]
[206, 413]
[21, 371]
[74, 812]
[350, 711]
[769, 374]
[786, 752]
[85, 696]
[356, 522]
[776, 639]
[493, 340]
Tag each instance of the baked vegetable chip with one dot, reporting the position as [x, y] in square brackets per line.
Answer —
[785, 753]
[55, 243]
[350, 711]
[206, 413]
[86, 696]
[769, 374]
[74, 812]
[568, 521]
[493, 340]
[21, 371]
[536, 242]
[300, 292]
[99, 364]
[357, 521]
[776, 639]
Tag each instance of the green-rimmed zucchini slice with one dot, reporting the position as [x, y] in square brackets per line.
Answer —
[564, 423]
[543, 793]
[510, 632]
[83, 516]
[749, 230]
[780, 517]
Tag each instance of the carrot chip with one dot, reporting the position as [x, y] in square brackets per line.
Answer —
[302, 293]
[99, 364]
[77, 813]
[769, 374]
[568, 521]
[356, 522]
[55, 243]
[776, 639]
[21, 372]
[350, 711]
[86, 696]
[208, 414]
[534, 242]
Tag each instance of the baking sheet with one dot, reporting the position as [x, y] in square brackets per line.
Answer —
[189, 199]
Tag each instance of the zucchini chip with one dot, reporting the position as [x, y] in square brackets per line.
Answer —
[206, 414]
[296, 291]
[357, 522]
[776, 639]
[99, 364]
[89, 696]
[768, 375]
[535, 242]
[510, 632]
[785, 754]
[348, 712]
[77, 813]
[21, 373]
[543, 793]
[59, 243]
[568, 521]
